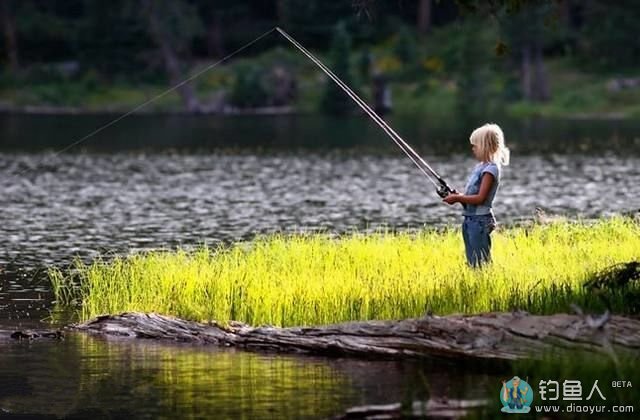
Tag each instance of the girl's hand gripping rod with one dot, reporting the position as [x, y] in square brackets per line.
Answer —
[441, 186]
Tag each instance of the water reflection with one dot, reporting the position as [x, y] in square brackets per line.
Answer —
[87, 376]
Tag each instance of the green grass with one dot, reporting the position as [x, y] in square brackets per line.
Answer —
[310, 279]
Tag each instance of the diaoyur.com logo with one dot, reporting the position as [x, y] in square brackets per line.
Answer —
[516, 396]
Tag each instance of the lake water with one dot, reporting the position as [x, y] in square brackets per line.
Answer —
[87, 377]
[166, 181]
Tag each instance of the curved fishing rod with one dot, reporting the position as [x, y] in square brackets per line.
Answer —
[442, 188]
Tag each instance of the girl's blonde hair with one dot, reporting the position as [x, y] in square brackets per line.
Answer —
[490, 140]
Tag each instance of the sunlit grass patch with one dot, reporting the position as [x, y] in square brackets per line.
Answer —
[309, 279]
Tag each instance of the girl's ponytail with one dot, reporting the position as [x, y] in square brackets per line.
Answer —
[504, 156]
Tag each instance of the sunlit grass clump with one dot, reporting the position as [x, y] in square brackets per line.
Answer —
[310, 279]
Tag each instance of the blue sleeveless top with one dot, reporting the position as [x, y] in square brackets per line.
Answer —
[473, 187]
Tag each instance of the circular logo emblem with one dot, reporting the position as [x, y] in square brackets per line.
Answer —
[516, 396]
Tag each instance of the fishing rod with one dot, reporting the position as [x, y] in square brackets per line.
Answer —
[442, 188]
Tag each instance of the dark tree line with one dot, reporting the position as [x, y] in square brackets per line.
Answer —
[136, 39]
[114, 32]
[42, 30]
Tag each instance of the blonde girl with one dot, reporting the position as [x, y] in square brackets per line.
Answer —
[488, 147]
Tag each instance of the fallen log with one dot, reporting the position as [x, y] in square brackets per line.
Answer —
[499, 335]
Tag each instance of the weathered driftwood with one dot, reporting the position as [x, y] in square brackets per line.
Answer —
[490, 336]
[433, 408]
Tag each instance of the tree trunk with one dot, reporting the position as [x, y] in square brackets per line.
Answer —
[540, 88]
[501, 336]
[526, 72]
[424, 16]
[9, 30]
[171, 61]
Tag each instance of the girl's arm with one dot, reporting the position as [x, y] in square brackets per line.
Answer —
[485, 186]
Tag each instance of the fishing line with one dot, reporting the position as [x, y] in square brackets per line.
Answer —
[142, 105]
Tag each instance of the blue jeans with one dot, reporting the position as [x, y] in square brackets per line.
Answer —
[476, 232]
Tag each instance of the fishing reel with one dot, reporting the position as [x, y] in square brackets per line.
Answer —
[445, 190]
